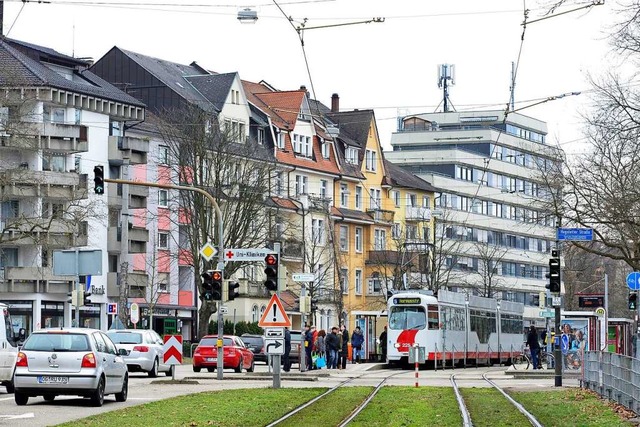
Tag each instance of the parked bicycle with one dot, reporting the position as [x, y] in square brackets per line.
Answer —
[523, 361]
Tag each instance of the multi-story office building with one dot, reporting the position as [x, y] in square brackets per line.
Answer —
[56, 118]
[487, 170]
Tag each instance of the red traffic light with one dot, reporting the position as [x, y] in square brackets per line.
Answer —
[216, 275]
[271, 259]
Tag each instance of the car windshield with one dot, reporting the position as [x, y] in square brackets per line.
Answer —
[57, 342]
[125, 337]
[252, 340]
[211, 342]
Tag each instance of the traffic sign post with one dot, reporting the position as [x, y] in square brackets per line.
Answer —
[303, 277]
[246, 254]
[134, 314]
[172, 352]
[274, 315]
[633, 281]
[575, 234]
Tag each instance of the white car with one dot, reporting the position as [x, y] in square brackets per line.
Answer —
[144, 350]
[73, 361]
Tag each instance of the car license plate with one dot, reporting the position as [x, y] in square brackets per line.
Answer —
[211, 359]
[46, 379]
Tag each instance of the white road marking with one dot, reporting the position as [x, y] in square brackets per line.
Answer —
[17, 417]
[6, 398]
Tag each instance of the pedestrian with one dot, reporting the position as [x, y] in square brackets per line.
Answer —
[332, 342]
[383, 344]
[287, 349]
[319, 345]
[344, 350]
[534, 345]
[308, 345]
[357, 339]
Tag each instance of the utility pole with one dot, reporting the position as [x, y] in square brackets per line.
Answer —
[1, 17]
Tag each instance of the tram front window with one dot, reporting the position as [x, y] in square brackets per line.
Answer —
[403, 318]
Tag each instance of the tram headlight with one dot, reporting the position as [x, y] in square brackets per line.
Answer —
[396, 345]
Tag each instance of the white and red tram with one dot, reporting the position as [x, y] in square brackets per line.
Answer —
[452, 328]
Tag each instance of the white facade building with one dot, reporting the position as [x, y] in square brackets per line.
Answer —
[487, 172]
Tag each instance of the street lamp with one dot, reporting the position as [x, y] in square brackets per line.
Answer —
[498, 327]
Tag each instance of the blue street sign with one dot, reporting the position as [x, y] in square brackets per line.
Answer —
[575, 234]
[88, 284]
[633, 281]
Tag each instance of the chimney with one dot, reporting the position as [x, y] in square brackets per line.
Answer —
[304, 88]
[335, 103]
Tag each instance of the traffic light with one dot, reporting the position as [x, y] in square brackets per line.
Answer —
[212, 285]
[98, 179]
[313, 304]
[633, 301]
[271, 282]
[86, 298]
[554, 274]
[233, 290]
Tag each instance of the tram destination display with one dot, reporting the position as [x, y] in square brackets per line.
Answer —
[406, 300]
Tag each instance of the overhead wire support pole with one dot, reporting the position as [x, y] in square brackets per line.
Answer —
[220, 267]
[588, 6]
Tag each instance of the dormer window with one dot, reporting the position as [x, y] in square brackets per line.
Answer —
[351, 155]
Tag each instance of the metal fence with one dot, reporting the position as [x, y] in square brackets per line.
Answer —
[613, 376]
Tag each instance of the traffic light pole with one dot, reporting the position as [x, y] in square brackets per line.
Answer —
[220, 267]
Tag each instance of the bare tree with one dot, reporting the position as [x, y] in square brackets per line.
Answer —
[488, 279]
[236, 172]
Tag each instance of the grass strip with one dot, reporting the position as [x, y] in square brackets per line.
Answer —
[245, 407]
[489, 408]
[569, 407]
[331, 409]
[410, 406]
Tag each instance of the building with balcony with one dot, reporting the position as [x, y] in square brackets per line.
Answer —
[487, 169]
[54, 121]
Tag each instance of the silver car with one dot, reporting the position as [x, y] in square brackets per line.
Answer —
[144, 350]
[72, 361]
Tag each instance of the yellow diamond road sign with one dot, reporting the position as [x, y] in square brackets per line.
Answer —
[208, 251]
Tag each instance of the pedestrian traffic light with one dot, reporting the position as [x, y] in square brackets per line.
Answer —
[554, 275]
[233, 290]
[98, 179]
[212, 285]
[633, 301]
[271, 282]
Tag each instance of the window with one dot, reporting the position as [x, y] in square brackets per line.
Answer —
[358, 283]
[325, 149]
[163, 240]
[323, 188]
[343, 195]
[380, 237]
[53, 115]
[53, 162]
[374, 199]
[317, 231]
[412, 232]
[370, 161]
[344, 238]
[358, 239]
[9, 209]
[254, 313]
[260, 135]
[279, 187]
[301, 185]
[395, 231]
[411, 200]
[163, 198]
[163, 152]
[280, 140]
[395, 195]
[426, 202]
[57, 210]
[464, 173]
[351, 155]
[8, 257]
[407, 317]
[344, 280]
[358, 197]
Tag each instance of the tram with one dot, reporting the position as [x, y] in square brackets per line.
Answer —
[452, 328]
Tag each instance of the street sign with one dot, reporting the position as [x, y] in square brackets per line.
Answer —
[590, 301]
[274, 314]
[303, 277]
[112, 308]
[134, 313]
[70, 262]
[274, 345]
[600, 311]
[224, 310]
[247, 254]
[633, 281]
[421, 355]
[580, 234]
[208, 251]
[172, 350]
[556, 301]
[274, 332]
[547, 313]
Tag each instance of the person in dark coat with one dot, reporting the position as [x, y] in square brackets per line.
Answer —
[534, 345]
[383, 344]
[287, 349]
[332, 342]
[357, 339]
[344, 351]
[308, 346]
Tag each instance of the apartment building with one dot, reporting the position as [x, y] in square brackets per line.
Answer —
[490, 198]
[56, 124]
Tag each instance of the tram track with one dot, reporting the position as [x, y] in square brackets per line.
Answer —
[466, 416]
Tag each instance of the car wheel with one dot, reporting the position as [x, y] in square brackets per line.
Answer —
[10, 387]
[252, 367]
[169, 373]
[211, 369]
[21, 398]
[122, 396]
[196, 369]
[49, 397]
[97, 397]
[239, 367]
[154, 369]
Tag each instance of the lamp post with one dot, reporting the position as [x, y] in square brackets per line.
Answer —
[498, 329]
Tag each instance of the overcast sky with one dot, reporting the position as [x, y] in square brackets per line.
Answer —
[390, 66]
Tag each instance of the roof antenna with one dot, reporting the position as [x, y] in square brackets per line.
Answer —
[446, 72]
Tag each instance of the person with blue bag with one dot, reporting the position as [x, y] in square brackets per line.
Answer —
[357, 339]
[320, 349]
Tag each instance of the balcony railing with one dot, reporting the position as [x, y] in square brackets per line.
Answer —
[381, 215]
[24, 183]
[417, 213]
[45, 231]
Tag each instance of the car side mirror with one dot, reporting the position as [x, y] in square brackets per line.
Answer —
[122, 352]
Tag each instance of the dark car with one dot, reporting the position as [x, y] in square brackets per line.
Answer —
[296, 344]
[255, 343]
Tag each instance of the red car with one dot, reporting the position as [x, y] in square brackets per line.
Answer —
[236, 354]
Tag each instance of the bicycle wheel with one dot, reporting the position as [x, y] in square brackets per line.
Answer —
[520, 362]
[548, 360]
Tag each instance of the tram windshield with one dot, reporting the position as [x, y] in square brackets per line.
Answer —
[407, 318]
